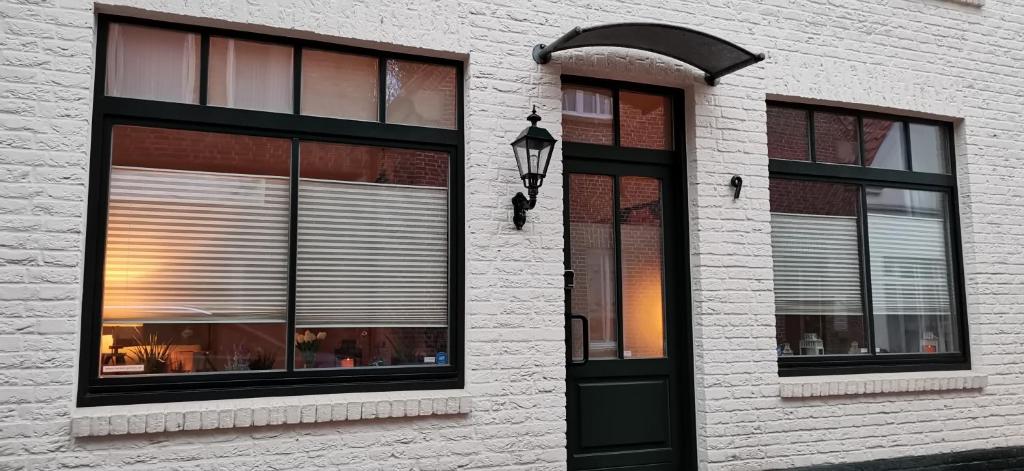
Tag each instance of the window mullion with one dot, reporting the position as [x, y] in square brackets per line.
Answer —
[293, 232]
[297, 80]
[866, 271]
[204, 68]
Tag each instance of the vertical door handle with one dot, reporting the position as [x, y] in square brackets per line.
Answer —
[586, 338]
[570, 279]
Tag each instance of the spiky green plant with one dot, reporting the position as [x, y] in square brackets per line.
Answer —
[262, 359]
[152, 352]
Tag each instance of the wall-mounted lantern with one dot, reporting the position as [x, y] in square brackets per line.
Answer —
[533, 150]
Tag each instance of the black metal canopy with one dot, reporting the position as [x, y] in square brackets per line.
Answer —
[715, 56]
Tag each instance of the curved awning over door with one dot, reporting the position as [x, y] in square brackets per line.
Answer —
[715, 56]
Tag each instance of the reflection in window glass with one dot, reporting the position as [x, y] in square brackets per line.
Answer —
[883, 144]
[643, 296]
[372, 268]
[587, 115]
[152, 64]
[910, 271]
[816, 258]
[195, 272]
[645, 120]
[250, 75]
[339, 85]
[787, 134]
[421, 94]
[835, 139]
[929, 148]
[593, 260]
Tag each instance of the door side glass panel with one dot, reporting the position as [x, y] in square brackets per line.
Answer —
[592, 254]
[643, 297]
[910, 282]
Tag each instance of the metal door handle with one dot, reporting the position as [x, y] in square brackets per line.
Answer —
[586, 338]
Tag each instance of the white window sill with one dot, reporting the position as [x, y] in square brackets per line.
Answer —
[263, 411]
[880, 383]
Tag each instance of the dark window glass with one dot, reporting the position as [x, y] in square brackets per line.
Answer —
[587, 115]
[645, 120]
[643, 296]
[421, 94]
[929, 148]
[787, 134]
[592, 233]
[836, 139]
[818, 301]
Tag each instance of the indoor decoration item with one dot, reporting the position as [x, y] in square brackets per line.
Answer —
[261, 359]
[533, 150]
[929, 342]
[152, 353]
[347, 353]
[308, 343]
[811, 344]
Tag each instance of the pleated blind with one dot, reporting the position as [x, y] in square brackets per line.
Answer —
[909, 271]
[371, 255]
[817, 265]
[186, 246]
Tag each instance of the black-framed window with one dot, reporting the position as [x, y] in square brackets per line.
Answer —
[269, 216]
[865, 240]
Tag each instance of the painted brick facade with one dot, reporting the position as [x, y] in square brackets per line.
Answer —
[930, 58]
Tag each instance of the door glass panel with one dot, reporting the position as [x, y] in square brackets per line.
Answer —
[645, 120]
[643, 308]
[592, 257]
[587, 115]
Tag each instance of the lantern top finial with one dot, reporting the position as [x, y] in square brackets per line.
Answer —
[534, 117]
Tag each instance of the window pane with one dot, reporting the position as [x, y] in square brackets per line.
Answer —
[372, 252]
[787, 134]
[910, 271]
[929, 146]
[587, 115]
[883, 144]
[353, 347]
[816, 259]
[152, 63]
[421, 94]
[339, 85]
[643, 307]
[645, 120]
[835, 139]
[593, 260]
[196, 264]
[250, 75]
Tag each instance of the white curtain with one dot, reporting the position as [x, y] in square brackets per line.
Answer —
[152, 64]
[186, 246]
[250, 75]
[371, 255]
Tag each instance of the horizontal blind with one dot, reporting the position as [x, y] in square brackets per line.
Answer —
[816, 265]
[188, 246]
[371, 255]
[909, 271]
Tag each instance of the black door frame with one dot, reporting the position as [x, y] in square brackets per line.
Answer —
[593, 156]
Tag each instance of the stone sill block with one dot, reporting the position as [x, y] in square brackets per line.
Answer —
[258, 412]
[881, 383]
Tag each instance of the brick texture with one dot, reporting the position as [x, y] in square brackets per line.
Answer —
[920, 57]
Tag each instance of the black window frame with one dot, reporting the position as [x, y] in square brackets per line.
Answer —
[109, 111]
[857, 174]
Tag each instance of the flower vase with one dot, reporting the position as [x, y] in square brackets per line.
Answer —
[308, 359]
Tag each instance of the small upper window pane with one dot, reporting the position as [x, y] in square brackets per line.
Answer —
[835, 139]
[152, 64]
[645, 120]
[421, 94]
[587, 115]
[929, 146]
[250, 75]
[339, 85]
[787, 134]
[883, 144]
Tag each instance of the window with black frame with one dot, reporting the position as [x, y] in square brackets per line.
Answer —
[865, 242]
[269, 213]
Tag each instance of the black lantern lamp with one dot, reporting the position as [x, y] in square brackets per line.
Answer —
[533, 150]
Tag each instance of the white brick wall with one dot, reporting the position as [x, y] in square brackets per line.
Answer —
[922, 57]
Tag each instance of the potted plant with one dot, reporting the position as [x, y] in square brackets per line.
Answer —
[262, 360]
[308, 344]
[153, 353]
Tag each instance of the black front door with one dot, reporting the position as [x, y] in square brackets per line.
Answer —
[627, 380]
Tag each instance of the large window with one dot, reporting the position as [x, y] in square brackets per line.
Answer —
[269, 216]
[865, 242]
